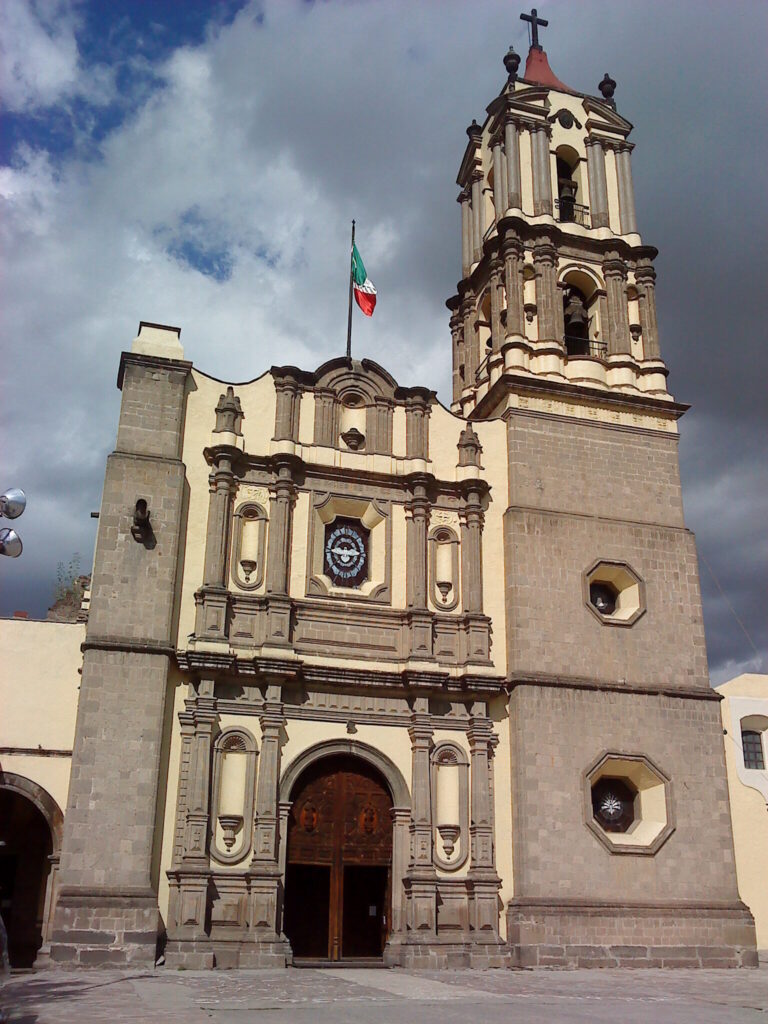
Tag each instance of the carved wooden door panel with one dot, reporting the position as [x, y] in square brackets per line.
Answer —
[341, 817]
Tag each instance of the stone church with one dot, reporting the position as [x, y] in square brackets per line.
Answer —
[369, 678]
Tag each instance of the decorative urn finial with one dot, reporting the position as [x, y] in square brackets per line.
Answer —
[511, 63]
[607, 87]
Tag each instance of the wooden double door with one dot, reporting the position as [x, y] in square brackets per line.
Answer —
[338, 871]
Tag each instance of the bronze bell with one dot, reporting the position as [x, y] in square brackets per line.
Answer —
[575, 311]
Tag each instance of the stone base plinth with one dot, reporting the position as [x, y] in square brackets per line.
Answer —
[439, 954]
[223, 954]
[551, 933]
[103, 929]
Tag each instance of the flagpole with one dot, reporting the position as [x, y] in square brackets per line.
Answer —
[349, 316]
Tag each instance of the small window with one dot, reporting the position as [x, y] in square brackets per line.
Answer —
[752, 746]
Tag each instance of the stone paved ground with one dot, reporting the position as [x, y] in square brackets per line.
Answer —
[351, 996]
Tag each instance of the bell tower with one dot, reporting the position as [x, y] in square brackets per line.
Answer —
[621, 845]
[557, 287]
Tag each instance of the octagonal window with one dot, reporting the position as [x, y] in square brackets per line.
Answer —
[628, 803]
[614, 593]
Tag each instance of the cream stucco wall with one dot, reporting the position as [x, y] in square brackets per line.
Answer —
[747, 696]
[39, 688]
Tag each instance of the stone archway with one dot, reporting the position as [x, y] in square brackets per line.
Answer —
[31, 825]
[345, 810]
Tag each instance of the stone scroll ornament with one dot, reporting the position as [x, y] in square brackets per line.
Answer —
[346, 552]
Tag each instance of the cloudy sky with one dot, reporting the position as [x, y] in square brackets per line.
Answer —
[198, 164]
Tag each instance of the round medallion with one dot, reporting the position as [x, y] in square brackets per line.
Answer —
[346, 552]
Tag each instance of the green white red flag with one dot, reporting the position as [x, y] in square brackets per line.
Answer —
[365, 293]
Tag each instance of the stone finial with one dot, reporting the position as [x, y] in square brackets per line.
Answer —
[511, 63]
[229, 414]
[469, 447]
[475, 132]
[607, 88]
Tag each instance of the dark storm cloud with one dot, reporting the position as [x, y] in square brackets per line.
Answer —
[282, 126]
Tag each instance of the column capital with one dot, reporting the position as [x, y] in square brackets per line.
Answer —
[645, 273]
[614, 266]
[545, 252]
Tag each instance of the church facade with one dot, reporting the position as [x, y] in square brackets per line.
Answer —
[365, 677]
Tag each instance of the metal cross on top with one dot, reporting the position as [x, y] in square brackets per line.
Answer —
[535, 21]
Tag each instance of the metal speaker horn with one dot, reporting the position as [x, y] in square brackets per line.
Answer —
[10, 543]
[13, 503]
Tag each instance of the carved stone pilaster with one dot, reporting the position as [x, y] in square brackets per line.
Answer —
[627, 213]
[417, 513]
[483, 878]
[265, 871]
[472, 518]
[466, 231]
[645, 277]
[478, 218]
[512, 151]
[512, 250]
[417, 412]
[547, 295]
[468, 313]
[496, 272]
[326, 417]
[281, 502]
[542, 173]
[379, 425]
[457, 347]
[615, 273]
[288, 398]
[598, 187]
[499, 193]
[421, 879]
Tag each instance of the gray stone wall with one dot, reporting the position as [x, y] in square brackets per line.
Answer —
[107, 910]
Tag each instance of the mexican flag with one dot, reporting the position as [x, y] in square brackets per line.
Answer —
[365, 293]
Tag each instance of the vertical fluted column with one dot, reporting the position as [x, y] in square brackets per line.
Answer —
[560, 312]
[497, 269]
[615, 273]
[645, 277]
[542, 173]
[547, 296]
[466, 232]
[499, 198]
[469, 318]
[417, 510]
[471, 517]
[379, 426]
[264, 871]
[220, 488]
[512, 148]
[626, 189]
[598, 187]
[202, 719]
[483, 878]
[288, 395]
[513, 280]
[478, 219]
[282, 498]
[421, 872]
[325, 417]
[457, 347]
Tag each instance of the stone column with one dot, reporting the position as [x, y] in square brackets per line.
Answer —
[513, 278]
[190, 874]
[560, 312]
[457, 348]
[499, 197]
[220, 489]
[512, 147]
[417, 511]
[326, 429]
[467, 244]
[421, 882]
[379, 426]
[484, 880]
[547, 295]
[469, 317]
[417, 410]
[615, 273]
[281, 502]
[542, 173]
[264, 871]
[478, 220]
[288, 396]
[626, 189]
[645, 277]
[497, 269]
[401, 823]
[472, 517]
[598, 187]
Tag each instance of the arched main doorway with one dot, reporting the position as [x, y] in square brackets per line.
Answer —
[339, 861]
[27, 841]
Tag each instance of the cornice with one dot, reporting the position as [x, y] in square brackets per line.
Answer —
[519, 679]
[159, 362]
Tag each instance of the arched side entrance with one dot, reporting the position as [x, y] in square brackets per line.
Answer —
[30, 839]
[340, 873]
